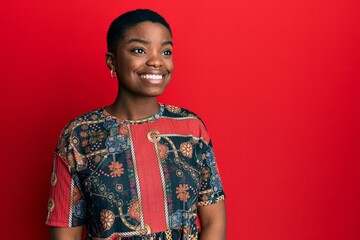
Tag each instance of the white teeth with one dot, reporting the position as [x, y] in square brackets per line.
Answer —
[151, 76]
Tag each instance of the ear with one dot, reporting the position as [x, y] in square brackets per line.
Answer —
[110, 60]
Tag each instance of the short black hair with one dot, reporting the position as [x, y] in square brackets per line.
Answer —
[129, 19]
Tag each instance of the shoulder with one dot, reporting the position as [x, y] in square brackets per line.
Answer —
[77, 123]
[180, 112]
[92, 116]
[186, 119]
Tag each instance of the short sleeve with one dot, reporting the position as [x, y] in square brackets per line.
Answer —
[211, 188]
[66, 205]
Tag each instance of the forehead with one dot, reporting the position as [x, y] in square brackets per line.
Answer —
[148, 30]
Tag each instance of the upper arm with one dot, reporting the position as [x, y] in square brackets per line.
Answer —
[66, 205]
[212, 214]
[66, 233]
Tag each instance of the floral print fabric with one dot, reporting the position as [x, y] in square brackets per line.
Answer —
[134, 179]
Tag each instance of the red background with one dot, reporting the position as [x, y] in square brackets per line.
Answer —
[277, 83]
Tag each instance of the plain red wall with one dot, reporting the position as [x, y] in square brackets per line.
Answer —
[277, 83]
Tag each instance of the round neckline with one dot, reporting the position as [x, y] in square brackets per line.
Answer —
[137, 121]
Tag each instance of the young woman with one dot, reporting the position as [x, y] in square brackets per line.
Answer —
[136, 169]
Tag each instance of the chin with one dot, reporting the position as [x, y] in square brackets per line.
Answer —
[153, 93]
[158, 94]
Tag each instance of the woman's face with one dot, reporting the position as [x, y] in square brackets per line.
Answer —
[143, 60]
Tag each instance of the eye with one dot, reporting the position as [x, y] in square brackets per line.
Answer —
[167, 52]
[138, 51]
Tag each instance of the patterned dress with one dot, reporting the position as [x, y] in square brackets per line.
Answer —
[134, 179]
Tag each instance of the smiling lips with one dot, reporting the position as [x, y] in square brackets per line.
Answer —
[152, 78]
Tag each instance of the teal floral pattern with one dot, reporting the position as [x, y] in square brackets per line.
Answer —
[116, 144]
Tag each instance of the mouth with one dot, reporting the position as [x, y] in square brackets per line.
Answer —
[152, 78]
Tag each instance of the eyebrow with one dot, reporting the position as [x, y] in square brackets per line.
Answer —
[147, 42]
[138, 40]
[167, 43]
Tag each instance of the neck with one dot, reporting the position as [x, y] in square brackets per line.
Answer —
[133, 108]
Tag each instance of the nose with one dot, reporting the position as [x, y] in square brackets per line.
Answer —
[154, 60]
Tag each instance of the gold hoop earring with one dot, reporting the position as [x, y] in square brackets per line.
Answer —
[113, 73]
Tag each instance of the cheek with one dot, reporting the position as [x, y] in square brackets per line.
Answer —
[127, 68]
[127, 64]
[170, 66]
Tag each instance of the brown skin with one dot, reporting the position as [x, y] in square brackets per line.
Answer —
[146, 49]
[66, 233]
[213, 221]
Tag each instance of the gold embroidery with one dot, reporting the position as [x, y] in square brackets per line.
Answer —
[51, 205]
[53, 179]
[153, 136]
